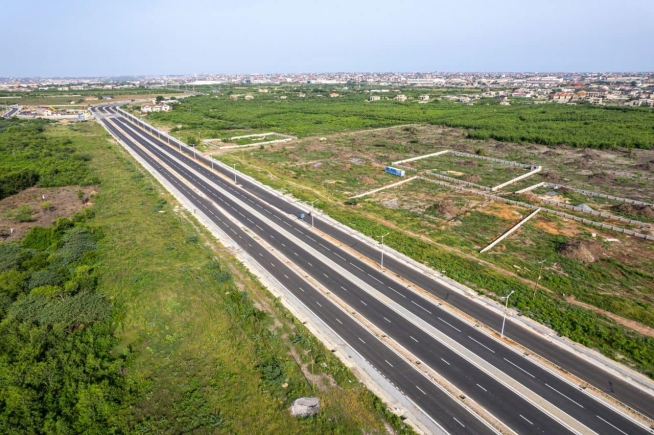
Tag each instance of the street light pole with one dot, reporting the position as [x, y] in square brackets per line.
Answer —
[506, 307]
[382, 250]
[313, 209]
[235, 172]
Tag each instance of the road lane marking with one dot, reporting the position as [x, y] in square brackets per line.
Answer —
[388, 363]
[525, 419]
[325, 247]
[462, 425]
[344, 288]
[482, 388]
[449, 324]
[387, 320]
[309, 264]
[361, 340]
[518, 367]
[326, 276]
[414, 339]
[614, 427]
[340, 256]
[309, 237]
[549, 386]
[445, 361]
[397, 292]
[356, 266]
[363, 303]
[421, 390]
[375, 279]
[417, 305]
[259, 227]
[481, 344]
[301, 289]
[338, 320]
[319, 304]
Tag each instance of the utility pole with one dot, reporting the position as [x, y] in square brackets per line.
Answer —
[382, 250]
[538, 279]
[313, 209]
[506, 307]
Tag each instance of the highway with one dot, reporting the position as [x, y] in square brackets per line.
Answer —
[538, 344]
[12, 111]
[337, 270]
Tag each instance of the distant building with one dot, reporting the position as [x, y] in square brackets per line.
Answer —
[400, 97]
[302, 95]
[374, 98]
[424, 97]
[283, 97]
[91, 98]
[249, 97]
[333, 95]
[107, 97]
[147, 108]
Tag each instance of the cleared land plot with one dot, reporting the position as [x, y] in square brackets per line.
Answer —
[612, 275]
[470, 169]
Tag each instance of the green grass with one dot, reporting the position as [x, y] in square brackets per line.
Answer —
[206, 357]
[552, 124]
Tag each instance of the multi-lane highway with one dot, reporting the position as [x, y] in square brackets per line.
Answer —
[507, 385]
[12, 111]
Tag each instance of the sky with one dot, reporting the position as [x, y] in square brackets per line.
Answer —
[75, 38]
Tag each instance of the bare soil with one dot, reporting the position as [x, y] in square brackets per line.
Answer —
[587, 251]
[64, 200]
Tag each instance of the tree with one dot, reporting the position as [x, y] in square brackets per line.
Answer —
[159, 98]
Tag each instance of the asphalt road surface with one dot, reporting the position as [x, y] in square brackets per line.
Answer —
[310, 254]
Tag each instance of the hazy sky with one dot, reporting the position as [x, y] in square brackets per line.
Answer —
[133, 37]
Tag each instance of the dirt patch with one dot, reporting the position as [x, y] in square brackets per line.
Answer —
[551, 227]
[63, 202]
[501, 210]
[444, 208]
[367, 180]
[587, 251]
[645, 211]
[601, 177]
[472, 178]
[468, 163]
[345, 167]
[551, 177]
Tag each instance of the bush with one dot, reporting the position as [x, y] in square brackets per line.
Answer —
[24, 213]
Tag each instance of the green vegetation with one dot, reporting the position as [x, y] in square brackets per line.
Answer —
[31, 158]
[548, 124]
[129, 319]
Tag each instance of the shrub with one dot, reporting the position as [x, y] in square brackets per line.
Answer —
[24, 213]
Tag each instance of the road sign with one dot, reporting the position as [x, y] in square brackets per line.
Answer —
[302, 216]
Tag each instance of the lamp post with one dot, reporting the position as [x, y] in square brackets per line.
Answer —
[382, 249]
[506, 307]
[313, 209]
[234, 172]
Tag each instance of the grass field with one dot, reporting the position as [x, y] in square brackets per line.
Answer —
[212, 350]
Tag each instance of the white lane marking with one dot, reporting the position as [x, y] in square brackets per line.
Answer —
[482, 388]
[259, 227]
[357, 267]
[287, 223]
[272, 265]
[326, 276]
[325, 247]
[421, 390]
[286, 276]
[449, 324]
[283, 245]
[414, 339]
[298, 230]
[249, 245]
[338, 320]
[525, 419]
[344, 288]
[388, 363]
[397, 292]
[445, 361]
[260, 254]
[267, 211]
[423, 308]
[296, 254]
[340, 256]
[387, 320]
[301, 289]
[250, 220]
[241, 214]
[309, 264]
[363, 303]
[462, 425]
[481, 344]
[518, 367]
[277, 217]
[549, 386]
[614, 427]
[375, 279]
[361, 340]
[312, 239]
[319, 304]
